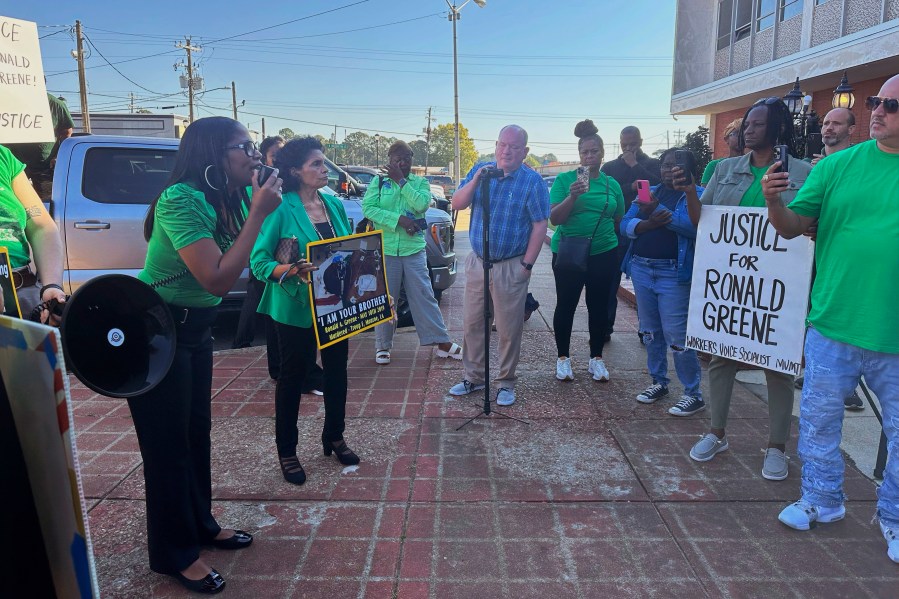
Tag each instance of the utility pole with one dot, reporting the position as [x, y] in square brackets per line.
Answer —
[82, 81]
[190, 72]
[428, 140]
[334, 140]
[678, 137]
[234, 99]
[667, 138]
[263, 127]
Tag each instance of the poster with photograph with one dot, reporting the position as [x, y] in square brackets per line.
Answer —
[8, 287]
[24, 112]
[750, 290]
[348, 292]
[41, 471]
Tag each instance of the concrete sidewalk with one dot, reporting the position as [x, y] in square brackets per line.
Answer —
[596, 497]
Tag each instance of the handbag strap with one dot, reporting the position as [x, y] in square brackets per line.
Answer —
[603, 213]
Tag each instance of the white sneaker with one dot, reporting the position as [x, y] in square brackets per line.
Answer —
[505, 396]
[598, 369]
[563, 369]
[889, 533]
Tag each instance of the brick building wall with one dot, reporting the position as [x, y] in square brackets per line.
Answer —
[821, 102]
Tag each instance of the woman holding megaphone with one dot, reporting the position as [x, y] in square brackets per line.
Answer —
[200, 231]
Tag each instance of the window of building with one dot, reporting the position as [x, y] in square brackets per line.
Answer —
[791, 8]
[725, 22]
[742, 19]
[820, 2]
[765, 17]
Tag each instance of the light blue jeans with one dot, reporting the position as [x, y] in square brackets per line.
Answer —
[411, 273]
[662, 303]
[832, 372]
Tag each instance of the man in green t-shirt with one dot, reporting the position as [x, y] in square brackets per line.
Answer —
[853, 321]
[40, 158]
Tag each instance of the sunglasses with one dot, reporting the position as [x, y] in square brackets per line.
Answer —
[248, 147]
[767, 101]
[890, 105]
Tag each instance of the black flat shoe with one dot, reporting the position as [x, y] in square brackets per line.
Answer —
[292, 470]
[343, 453]
[211, 584]
[239, 540]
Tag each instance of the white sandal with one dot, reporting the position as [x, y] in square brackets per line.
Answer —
[454, 352]
[382, 356]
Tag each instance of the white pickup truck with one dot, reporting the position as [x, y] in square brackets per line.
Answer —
[103, 185]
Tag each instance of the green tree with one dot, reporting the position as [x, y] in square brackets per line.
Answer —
[532, 161]
[287, 133]
[698, 143]
[419, 150]
[443, 147]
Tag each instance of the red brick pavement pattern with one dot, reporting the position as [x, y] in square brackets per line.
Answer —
[596, 497]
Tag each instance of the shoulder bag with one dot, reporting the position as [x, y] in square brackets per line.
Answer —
[573, 252]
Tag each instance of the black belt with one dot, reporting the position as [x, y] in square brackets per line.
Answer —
[187, 315]
[23, 277]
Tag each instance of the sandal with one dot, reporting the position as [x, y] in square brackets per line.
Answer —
[454, 352]
[382, 356]
[292, 470]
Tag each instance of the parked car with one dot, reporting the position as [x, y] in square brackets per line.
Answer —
[362, 174]
[445, 181]
[549, 181]
[103, 185]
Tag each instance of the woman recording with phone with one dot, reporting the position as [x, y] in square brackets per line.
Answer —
[767, 128]
[305, 215]
[200, 231]
[659, 261]
[586, 204]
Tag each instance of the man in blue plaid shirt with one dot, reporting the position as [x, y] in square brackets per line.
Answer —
[519, 209]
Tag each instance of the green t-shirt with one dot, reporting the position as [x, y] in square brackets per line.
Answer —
[853, 194]
[183, 217]
[709, 171]
[753, 197]
[595, 204]
[12, 212]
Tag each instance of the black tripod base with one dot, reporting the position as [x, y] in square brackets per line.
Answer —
[490, 414]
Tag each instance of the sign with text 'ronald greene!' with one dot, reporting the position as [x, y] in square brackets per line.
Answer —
[24, 111]
[750, 289]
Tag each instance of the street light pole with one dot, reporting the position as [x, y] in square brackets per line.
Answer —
[454, 16]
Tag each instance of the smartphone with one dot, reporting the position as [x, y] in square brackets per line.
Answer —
[682, 161]
[782, 153]
[264, 173]
[583, 174]
[422, 224]
[814, 146]
[643, 194]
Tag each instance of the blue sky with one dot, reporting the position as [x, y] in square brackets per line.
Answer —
[377, 65]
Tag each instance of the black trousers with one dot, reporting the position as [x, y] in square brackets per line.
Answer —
[623, 244]
[297, 348]
[601, 269]
[173, 423]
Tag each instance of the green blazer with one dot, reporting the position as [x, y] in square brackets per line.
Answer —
[289, 303]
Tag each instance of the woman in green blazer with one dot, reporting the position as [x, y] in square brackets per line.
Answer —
[308, 215]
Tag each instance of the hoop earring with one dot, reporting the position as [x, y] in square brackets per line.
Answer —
[206, 177]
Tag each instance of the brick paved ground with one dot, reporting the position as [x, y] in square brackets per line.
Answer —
[596, 497]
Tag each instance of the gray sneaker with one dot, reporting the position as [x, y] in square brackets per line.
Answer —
[709, 445]
[465, 387]
[776, 464]
[505, 396]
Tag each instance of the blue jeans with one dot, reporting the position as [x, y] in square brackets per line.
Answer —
[662, 303]
[832, 371]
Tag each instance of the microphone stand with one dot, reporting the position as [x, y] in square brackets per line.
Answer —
[488, 315]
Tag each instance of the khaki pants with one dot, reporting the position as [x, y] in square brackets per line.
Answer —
[508, 291]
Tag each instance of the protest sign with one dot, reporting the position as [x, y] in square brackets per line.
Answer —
[7, 287]
[42, 478]
[348, 292]
[24, 111]
[750, 289]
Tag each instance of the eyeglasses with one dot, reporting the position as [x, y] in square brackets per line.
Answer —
[248, 147]
[890, 105]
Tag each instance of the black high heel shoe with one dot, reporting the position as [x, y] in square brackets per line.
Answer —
[292, 470]
[343, 453]
[211, 584]
[239, 540]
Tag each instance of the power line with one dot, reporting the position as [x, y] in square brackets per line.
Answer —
[114, 68]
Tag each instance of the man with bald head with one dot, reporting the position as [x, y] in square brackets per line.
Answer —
[519, 209]
[853, 321]
[836, 132]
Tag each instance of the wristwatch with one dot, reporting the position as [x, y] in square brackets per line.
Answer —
[527, 265]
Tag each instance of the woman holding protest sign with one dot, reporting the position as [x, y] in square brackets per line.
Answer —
[660, 263]
[279, 259]
[738, 182]
[200, 231]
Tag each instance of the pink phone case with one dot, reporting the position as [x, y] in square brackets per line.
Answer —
[643, 195]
